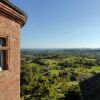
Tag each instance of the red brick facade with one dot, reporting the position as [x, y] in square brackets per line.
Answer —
[11, 19]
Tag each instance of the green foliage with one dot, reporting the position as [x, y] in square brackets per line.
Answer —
[52, 75]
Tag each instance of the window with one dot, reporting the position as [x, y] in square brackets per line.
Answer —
[3, 53]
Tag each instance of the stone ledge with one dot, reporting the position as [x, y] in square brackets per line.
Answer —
[12, 12]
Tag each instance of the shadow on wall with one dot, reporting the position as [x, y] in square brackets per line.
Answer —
[90, 88]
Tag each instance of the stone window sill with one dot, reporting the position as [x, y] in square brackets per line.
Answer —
[4, 72]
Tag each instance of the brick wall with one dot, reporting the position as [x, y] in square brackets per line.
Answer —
[10, 79]
[11, 20]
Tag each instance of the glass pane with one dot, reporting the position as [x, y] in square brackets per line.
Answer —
[2, 41]
[1, 60]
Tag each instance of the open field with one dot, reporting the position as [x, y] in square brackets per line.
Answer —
[53, 74]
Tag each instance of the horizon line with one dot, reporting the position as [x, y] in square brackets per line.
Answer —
[62, 48]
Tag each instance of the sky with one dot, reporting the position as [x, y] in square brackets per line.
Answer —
[60, 23]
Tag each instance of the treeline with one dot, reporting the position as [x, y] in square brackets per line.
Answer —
[67, 62]
[67, 58]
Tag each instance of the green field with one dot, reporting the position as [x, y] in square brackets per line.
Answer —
[53, 75]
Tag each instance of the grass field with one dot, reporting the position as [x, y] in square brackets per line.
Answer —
[78, 70]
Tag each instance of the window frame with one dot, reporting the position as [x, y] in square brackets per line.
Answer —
[5, 50]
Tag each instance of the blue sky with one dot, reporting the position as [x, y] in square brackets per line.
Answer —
[60, 23]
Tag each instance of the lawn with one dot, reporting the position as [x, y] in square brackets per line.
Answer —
[54, 72]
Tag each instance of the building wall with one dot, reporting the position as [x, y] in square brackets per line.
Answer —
[10, 79]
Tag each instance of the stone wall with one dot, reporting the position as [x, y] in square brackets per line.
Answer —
[90, 88]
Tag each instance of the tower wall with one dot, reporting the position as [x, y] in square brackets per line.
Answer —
[11, 20]
[10, 79]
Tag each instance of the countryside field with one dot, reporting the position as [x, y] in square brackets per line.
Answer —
[55, 74]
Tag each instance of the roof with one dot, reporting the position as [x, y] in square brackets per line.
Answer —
[9, 4]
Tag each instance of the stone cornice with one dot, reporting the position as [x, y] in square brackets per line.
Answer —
[7, 9]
